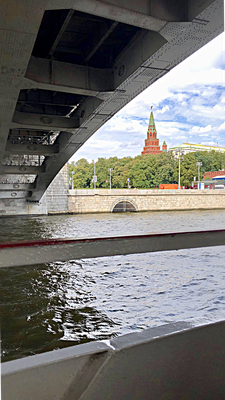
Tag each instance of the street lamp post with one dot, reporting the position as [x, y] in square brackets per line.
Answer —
[199, 164]
[179, 153]
[72, 173]
[179, 174]
[94, 180]
[110, 171]
[94, 176]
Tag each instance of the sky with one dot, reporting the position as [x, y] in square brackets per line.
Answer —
[188, 107]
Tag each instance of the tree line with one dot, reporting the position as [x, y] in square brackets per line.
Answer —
[144, 171]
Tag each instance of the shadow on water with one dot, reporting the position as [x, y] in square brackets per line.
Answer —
[23, 228]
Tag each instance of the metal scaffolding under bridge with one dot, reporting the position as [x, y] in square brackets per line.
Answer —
[67, 67]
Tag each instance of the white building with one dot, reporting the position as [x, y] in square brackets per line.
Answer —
[186, 148]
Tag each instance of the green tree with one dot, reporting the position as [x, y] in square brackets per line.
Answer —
[121, 172]
[211, 160]
[144, 171]
[82, 174]
[188, 169]
[165, 169]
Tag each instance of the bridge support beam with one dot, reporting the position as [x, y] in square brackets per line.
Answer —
[42, 121]
[32, 149]
[17, 186]
[60, 76]
[22, 170]
[14, 194]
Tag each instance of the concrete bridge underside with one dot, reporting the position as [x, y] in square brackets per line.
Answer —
[68, 66]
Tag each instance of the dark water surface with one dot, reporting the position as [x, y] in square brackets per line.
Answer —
[51, 306]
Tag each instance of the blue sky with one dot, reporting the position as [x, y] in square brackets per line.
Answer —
[188, 106]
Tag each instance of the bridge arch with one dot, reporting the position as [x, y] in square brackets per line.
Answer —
[124, 204]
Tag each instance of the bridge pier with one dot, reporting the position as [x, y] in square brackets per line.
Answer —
[54, 201]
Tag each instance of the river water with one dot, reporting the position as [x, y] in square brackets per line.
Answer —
[46, 307]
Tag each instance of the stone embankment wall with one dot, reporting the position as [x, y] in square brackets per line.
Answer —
[59, 200]
[102, 200]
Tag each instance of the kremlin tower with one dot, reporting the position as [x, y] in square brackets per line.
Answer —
[152, 143]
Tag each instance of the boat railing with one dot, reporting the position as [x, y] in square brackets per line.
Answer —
[49, 250]
[172, 361]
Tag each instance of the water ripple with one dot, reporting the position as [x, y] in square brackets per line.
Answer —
[51, 306]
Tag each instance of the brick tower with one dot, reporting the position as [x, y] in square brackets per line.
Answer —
[152, 143]
[164, 147]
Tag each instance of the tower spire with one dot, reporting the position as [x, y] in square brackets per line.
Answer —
[151, 143]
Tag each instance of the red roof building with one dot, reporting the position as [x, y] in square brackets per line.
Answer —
[211, 174]
[152, 143]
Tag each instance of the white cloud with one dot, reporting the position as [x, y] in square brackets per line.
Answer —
[222, 127]
[189, 104]
[121, 124]
[164, 109]
[198, 129]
